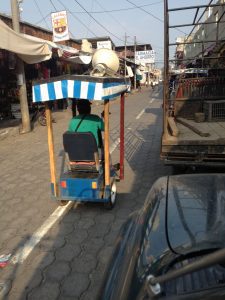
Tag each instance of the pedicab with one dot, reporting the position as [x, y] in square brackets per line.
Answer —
[87, 177]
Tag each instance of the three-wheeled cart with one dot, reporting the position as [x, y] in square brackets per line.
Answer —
[88, 178]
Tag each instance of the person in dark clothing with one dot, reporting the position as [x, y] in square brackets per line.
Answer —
[87, 122]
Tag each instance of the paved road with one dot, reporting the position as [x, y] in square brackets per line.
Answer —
[61, 253]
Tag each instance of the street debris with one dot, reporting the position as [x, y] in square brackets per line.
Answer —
[4, 260]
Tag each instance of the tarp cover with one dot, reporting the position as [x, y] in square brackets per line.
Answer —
[33, 50]
[29, 50]
[130, 72]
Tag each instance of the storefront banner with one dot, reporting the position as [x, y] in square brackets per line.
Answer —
[60, 26]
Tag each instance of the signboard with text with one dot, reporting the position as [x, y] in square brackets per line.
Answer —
[104, 44]
[60, 26]
[147, 57]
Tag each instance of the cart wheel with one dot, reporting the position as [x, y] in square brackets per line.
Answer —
[112, 201]
[63, 202]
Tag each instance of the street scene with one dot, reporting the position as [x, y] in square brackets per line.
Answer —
[69, 260]
[112, 150]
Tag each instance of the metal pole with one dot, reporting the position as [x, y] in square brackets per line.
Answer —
[21, 81]
[122, 102]
[203, 54]
[135, 80]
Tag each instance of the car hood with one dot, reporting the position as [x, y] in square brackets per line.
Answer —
[195, 212]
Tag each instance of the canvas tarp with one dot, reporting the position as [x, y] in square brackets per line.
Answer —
[27, 49]
[130, 71]
[33, 49]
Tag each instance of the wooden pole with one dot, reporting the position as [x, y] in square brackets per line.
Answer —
[51, 148]
[106, 142]
[135, 80]
[166, 67]
[125, 56]
[122, 98]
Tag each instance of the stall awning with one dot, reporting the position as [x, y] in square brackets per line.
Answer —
[65, 52]
[33, 50]
[79, 87]
[27, 49]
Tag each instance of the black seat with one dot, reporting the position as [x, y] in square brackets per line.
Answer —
[82, 150]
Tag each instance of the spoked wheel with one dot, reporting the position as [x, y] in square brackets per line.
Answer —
[42, 120]
[112, 201]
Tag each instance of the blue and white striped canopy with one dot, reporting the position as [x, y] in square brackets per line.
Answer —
[79, 87]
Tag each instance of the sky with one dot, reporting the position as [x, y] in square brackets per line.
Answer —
[114, 18]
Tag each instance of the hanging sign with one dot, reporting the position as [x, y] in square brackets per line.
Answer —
[147, 57]
[104, 44]
[60, 26]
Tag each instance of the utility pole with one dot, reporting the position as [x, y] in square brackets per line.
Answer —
[21, 81]
[125, 56]
[135, 81]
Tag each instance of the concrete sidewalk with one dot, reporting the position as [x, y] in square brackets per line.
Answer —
[9, 128]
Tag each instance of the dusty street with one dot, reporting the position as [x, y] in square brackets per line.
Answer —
[61, 252]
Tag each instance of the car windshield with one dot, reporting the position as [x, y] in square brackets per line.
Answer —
[187, 219]
[195, 213]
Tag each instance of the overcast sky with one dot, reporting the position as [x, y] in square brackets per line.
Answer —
[114, 18]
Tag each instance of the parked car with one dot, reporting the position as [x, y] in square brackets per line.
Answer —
[177, 239]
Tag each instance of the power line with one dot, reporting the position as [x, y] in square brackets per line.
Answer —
[117, 10]
[104, 11]
[153, 16]
[43, 19]
[53, 5]
[41, 14]
[92, 4]
[76, 18]
[98, 22]
[112, 16]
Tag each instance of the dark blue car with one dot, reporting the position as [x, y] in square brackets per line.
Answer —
[169, 248]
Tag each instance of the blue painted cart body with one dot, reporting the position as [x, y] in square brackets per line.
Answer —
[81, 186]
[86, 187]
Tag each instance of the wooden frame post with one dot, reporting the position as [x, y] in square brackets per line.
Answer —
[106, 142]
[122, 105]
[51, 149]
[166, 67]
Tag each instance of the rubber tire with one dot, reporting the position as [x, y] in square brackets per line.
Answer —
[63, 202]
[112, 202]
[42, 120]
